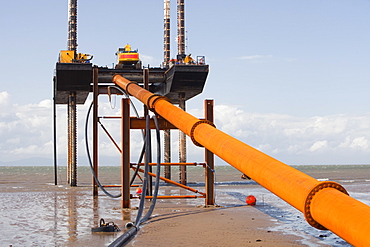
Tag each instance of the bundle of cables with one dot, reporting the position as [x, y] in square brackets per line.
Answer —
[123, 239]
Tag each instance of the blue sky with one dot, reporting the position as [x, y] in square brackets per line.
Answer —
[288, 77]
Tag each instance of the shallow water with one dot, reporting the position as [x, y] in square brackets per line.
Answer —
[55, 218]
[35, 212]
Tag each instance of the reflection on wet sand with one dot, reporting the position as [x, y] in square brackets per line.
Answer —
[72, 218]
[58, 218]
[35, 212]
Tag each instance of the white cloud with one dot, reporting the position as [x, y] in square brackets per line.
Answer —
[360, 143]
[320, 139]
[319, 145]
[4, 98]
[26, 131]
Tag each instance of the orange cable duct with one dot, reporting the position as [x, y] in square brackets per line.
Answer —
[325, 205]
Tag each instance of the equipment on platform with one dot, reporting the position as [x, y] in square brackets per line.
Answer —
[127, 58]
[69, 56]
[73, 74]
[189, 60]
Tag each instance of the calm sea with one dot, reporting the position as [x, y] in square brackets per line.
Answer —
[35, 212]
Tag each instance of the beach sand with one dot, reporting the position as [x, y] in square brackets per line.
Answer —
[213, 226]
[35, 212]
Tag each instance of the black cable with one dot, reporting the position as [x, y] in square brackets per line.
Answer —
[89, 157]
[128, 97]
[88, 151]
[123, 239]
[142, 133]
[138, 166]
[147, 144]
[158, 174]
[146, 169]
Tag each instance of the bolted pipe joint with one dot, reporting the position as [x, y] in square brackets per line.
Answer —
[152, 100]
[316, 189]
[194, 127]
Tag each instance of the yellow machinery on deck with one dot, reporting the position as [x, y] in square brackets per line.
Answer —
[68, 56]
[127, 58]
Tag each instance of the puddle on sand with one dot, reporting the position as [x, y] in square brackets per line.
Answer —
[58, 218]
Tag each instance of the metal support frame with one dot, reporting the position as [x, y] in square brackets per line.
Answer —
[55, 134]
[167, 153]
[209, 158]
[125, 160]
[95, 129]
[72, 139]
[72, 26]
[182, 143]
[72, 114]
[180, 27]
[166, 34]
[128, 123]
[174, 183]
[166, 59]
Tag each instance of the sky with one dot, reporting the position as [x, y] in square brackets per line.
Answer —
[289, 78]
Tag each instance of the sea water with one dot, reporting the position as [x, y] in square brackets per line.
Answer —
[36, 212]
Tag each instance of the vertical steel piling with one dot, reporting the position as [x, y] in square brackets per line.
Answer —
[180, 27]
[182, 143]
[209, 158]
[125, 158]
[72, 138]
[95, 130]
[166, 59]
[72, 113]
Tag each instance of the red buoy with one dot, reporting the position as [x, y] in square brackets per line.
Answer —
[251, 200]
[139, 191]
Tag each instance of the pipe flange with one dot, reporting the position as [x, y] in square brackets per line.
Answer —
[127, 85]
[314, 190]
[193, 129]
[158, 97]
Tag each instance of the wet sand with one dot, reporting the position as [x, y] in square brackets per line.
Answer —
[35, 212]
[214, 226]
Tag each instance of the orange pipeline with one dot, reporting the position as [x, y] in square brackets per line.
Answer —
[325, 205]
